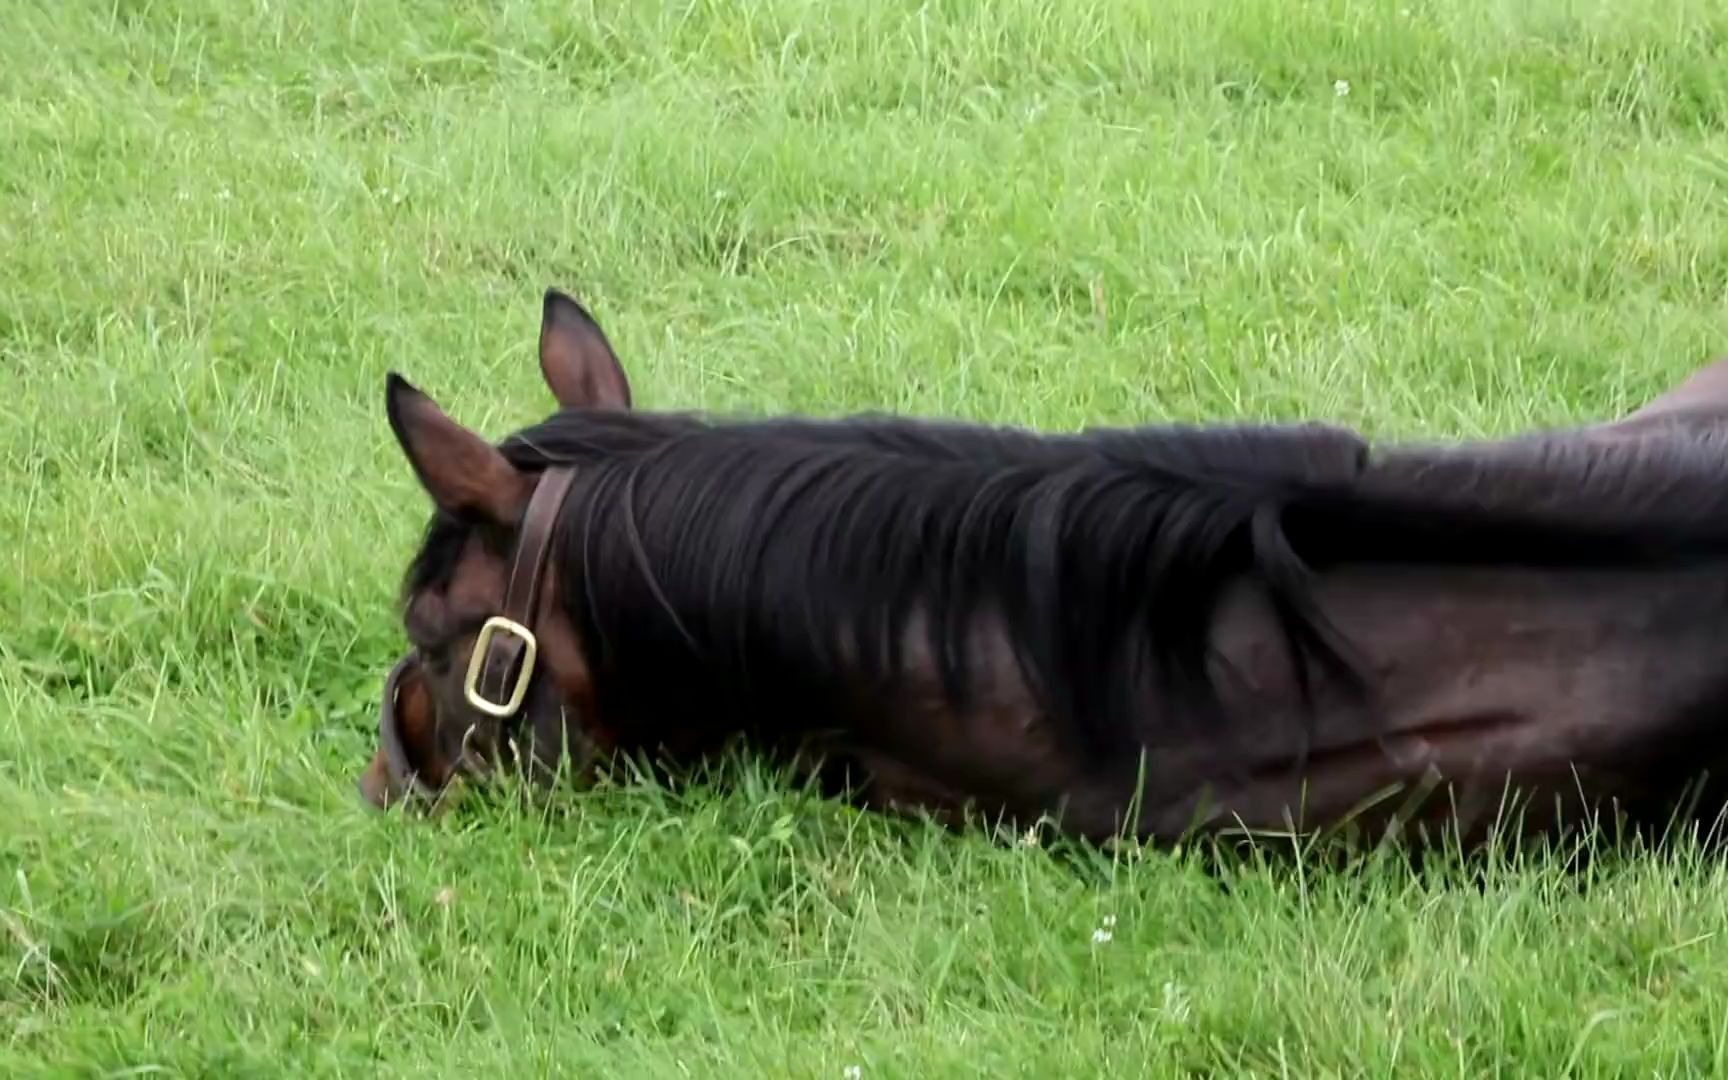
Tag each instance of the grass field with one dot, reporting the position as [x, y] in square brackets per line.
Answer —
[222, 221]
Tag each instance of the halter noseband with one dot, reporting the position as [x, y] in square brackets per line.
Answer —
[506, 642]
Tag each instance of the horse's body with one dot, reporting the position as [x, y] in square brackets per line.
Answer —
[1151, 630]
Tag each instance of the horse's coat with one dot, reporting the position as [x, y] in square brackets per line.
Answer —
[1152, 629]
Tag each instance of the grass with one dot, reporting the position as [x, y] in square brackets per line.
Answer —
[223, 220]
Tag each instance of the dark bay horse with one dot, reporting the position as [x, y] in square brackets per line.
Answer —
[1151, 630]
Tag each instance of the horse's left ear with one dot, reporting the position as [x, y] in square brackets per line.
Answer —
[576, 359]
[464, 474]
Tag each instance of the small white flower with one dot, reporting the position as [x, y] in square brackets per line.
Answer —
[1175, 1002]
[852, 1072]
[1341, 87]
[1109, 920]
[1101, 936]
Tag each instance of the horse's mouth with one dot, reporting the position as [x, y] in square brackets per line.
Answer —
[381, 790]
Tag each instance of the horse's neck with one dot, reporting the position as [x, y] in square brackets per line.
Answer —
[1575, 650]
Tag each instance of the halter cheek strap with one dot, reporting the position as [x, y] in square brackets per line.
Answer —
[502, 664]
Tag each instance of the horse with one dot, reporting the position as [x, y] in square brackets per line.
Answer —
[1149, 631]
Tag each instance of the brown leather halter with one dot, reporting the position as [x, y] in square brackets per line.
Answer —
[501, 667]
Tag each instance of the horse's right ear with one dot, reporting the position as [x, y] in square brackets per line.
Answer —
[577, 361]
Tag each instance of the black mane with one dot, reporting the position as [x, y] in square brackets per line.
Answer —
[741, 567]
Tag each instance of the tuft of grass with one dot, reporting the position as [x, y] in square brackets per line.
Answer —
[223, 221]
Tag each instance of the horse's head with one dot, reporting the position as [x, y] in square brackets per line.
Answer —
[495, 663]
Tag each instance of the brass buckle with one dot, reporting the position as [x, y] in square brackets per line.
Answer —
[477, 663]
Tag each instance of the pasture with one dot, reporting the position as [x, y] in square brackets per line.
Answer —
[222, 222]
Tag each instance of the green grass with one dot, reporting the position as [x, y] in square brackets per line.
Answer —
[221, 222]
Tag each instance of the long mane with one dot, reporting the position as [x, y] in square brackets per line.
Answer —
[752, 568]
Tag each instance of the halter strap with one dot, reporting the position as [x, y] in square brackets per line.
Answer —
[507, 643]
[390, 732]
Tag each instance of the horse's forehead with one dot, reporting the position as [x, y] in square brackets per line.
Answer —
[476, 580]
[478, 577]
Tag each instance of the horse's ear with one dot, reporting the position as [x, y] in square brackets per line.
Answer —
[464, 474]
[578, 362]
